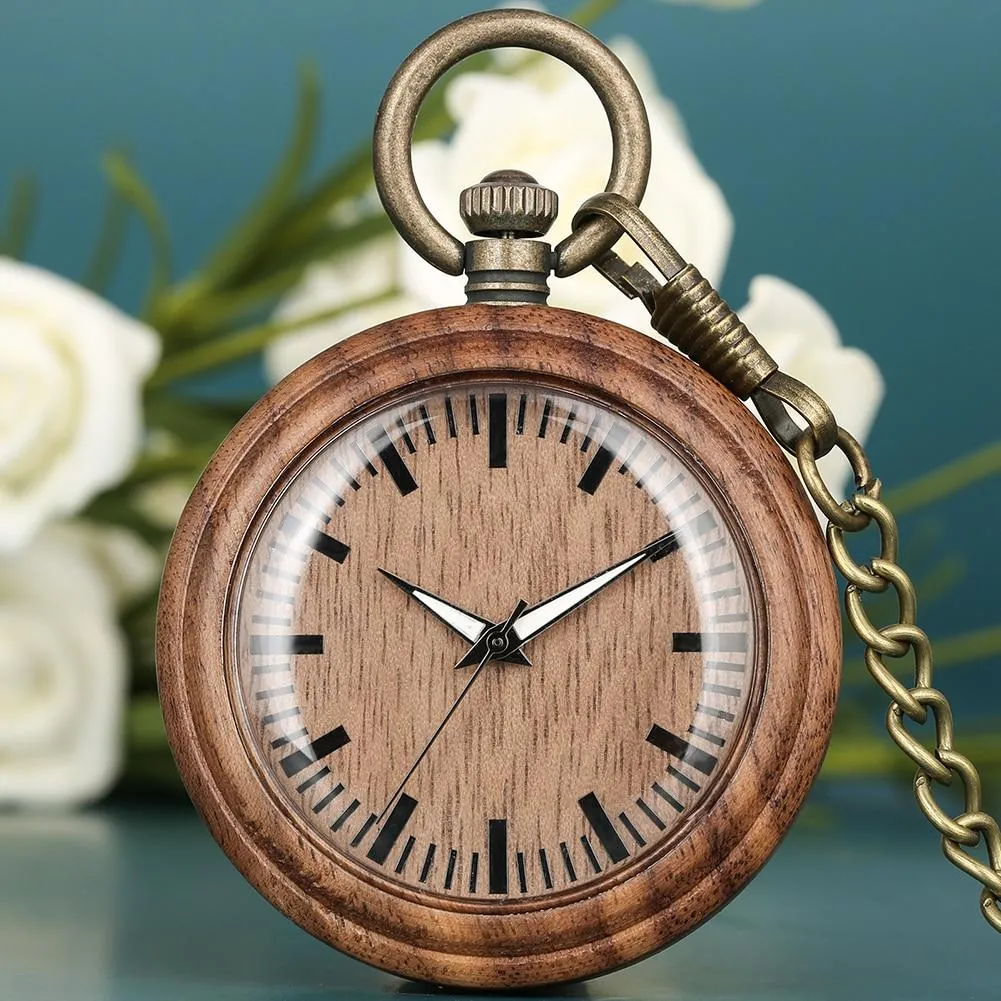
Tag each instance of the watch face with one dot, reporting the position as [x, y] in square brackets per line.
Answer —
[495, 642]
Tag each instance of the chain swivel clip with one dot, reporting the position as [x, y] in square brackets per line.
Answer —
[689, 313]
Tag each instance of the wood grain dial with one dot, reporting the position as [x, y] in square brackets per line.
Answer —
[552, 764]
[308, 634]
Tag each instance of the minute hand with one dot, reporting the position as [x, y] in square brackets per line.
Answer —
[540, 617]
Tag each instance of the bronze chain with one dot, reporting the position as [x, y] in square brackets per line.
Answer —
[689, 313]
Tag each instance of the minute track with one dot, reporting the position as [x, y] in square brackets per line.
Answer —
[494, 843]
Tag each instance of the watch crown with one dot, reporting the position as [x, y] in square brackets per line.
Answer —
[508, 203]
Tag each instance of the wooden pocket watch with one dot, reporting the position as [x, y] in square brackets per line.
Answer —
[498, 645]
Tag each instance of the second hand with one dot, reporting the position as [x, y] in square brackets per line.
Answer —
[498, 643]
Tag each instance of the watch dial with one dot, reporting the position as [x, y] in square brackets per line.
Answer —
[495, 642]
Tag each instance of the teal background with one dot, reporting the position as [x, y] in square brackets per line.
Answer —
[857, 143]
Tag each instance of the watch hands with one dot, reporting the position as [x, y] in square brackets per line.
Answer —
[468, 625]
[541, 616]
[495, 641]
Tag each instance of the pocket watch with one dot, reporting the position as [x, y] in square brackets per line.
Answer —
[499, 645]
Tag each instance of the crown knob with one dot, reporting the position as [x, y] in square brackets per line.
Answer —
[508, 203]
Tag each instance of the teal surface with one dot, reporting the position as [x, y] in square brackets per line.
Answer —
[140, 905]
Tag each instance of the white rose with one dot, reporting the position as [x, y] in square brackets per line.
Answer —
[71, 372]
[543, 119]
[63, 662]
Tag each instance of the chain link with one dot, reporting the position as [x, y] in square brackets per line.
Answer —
[687, 311]
[939, 764]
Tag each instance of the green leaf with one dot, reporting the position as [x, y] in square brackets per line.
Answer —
[946, 480]
[125, 180]
[111, 239]
[22, 208]
[224, 350]
[258, 225]
[199, 423]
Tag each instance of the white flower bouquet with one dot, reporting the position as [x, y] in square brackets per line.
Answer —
[104, 426]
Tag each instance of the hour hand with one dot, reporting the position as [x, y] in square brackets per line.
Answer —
[467, 624]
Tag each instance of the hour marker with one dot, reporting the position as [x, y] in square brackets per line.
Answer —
[365, 828]
[280, 715]
[428, 430]
[273, 668]
[453, 856]
[274, 693]
[727, 690]
[657, 463]
[285, 599]
[589, 852]
[716, 570]
[271, 620]
[732, 617]
[716, 642]
[497, 856]
[394, 463]
[344, 475]
[700, 525]
[365, 460]
[520, 425]
[603, 459]
[329, 798]
[706, 735]
[547, 876]
[313, 779]
[679, 748]
[327, 489]
[627, 463]
[633, 833]
[589, 437]
[650, 815]
[302, 758]
[405, 854]
[292, 578]
[392, 829]
[547, 409]
[428, 862]
[682, 778]
[522, 878]
[714, 712]
[666, 489]
[568, 862]
[667, 797]
[287, 738]
[568, 427]
[722, 665]
[330, 547]
[474, 870]
[497, 416]
[689, 502]
[405, 436]
[450, 418]
[727, 592]
[318, 541]
[474, 414]
[343, 818]
[276, 643]
[603, 827]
